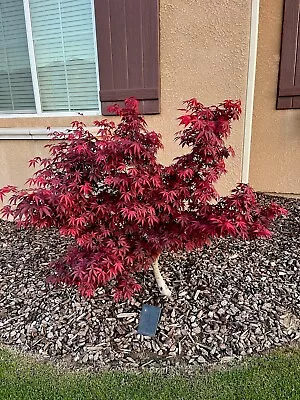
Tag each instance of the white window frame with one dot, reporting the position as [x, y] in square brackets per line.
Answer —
[39, 113]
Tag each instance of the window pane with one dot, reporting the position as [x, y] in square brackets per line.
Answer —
[16, 90]
[65, 54]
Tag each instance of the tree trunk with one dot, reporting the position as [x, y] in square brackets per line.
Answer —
[164, 290]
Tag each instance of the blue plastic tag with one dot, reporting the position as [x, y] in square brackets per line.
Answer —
[149, 319]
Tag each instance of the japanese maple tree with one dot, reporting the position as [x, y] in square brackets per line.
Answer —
[124, 209]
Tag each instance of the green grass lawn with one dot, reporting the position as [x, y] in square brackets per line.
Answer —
[273, 377]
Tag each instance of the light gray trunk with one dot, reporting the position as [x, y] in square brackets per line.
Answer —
[163, 288]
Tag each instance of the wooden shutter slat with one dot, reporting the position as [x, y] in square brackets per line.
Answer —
[289, 91]
[284, 103]
[296, 102]
[128, 52]
[104, 44]
[122, 94]
[150, 29]
[135, 46]
[150, 37]
[289, 73]
[118, 42]
[297, 73]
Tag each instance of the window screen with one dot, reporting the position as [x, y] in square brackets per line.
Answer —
[16, 90]
[64, 47]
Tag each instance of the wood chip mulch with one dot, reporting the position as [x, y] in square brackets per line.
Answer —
[233, 299]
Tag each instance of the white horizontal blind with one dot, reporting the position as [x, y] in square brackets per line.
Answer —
[16, 90]
[64, 48]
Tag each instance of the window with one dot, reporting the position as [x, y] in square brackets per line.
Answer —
[49, 62]
[16, 89]
[289, 75]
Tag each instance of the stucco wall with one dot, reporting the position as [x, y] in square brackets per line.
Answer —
[275, 150]
[204, 54]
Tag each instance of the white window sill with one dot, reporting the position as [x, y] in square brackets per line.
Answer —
[32, 133]
[52, 114]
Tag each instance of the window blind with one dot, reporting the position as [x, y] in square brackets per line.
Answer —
[63, 39]
[16, 90]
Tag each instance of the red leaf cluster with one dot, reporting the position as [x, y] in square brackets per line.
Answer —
[123, 208]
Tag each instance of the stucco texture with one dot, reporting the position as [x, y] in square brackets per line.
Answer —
[204, 54]
[275, 148]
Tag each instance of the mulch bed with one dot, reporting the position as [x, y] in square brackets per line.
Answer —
[233, 299]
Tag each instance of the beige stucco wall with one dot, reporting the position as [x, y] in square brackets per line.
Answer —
[204, 54]
[275, 150]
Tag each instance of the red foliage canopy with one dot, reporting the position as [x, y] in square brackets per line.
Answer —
[123, 208]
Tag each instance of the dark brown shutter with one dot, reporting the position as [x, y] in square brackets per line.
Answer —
[289, 73]
[128, 52]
